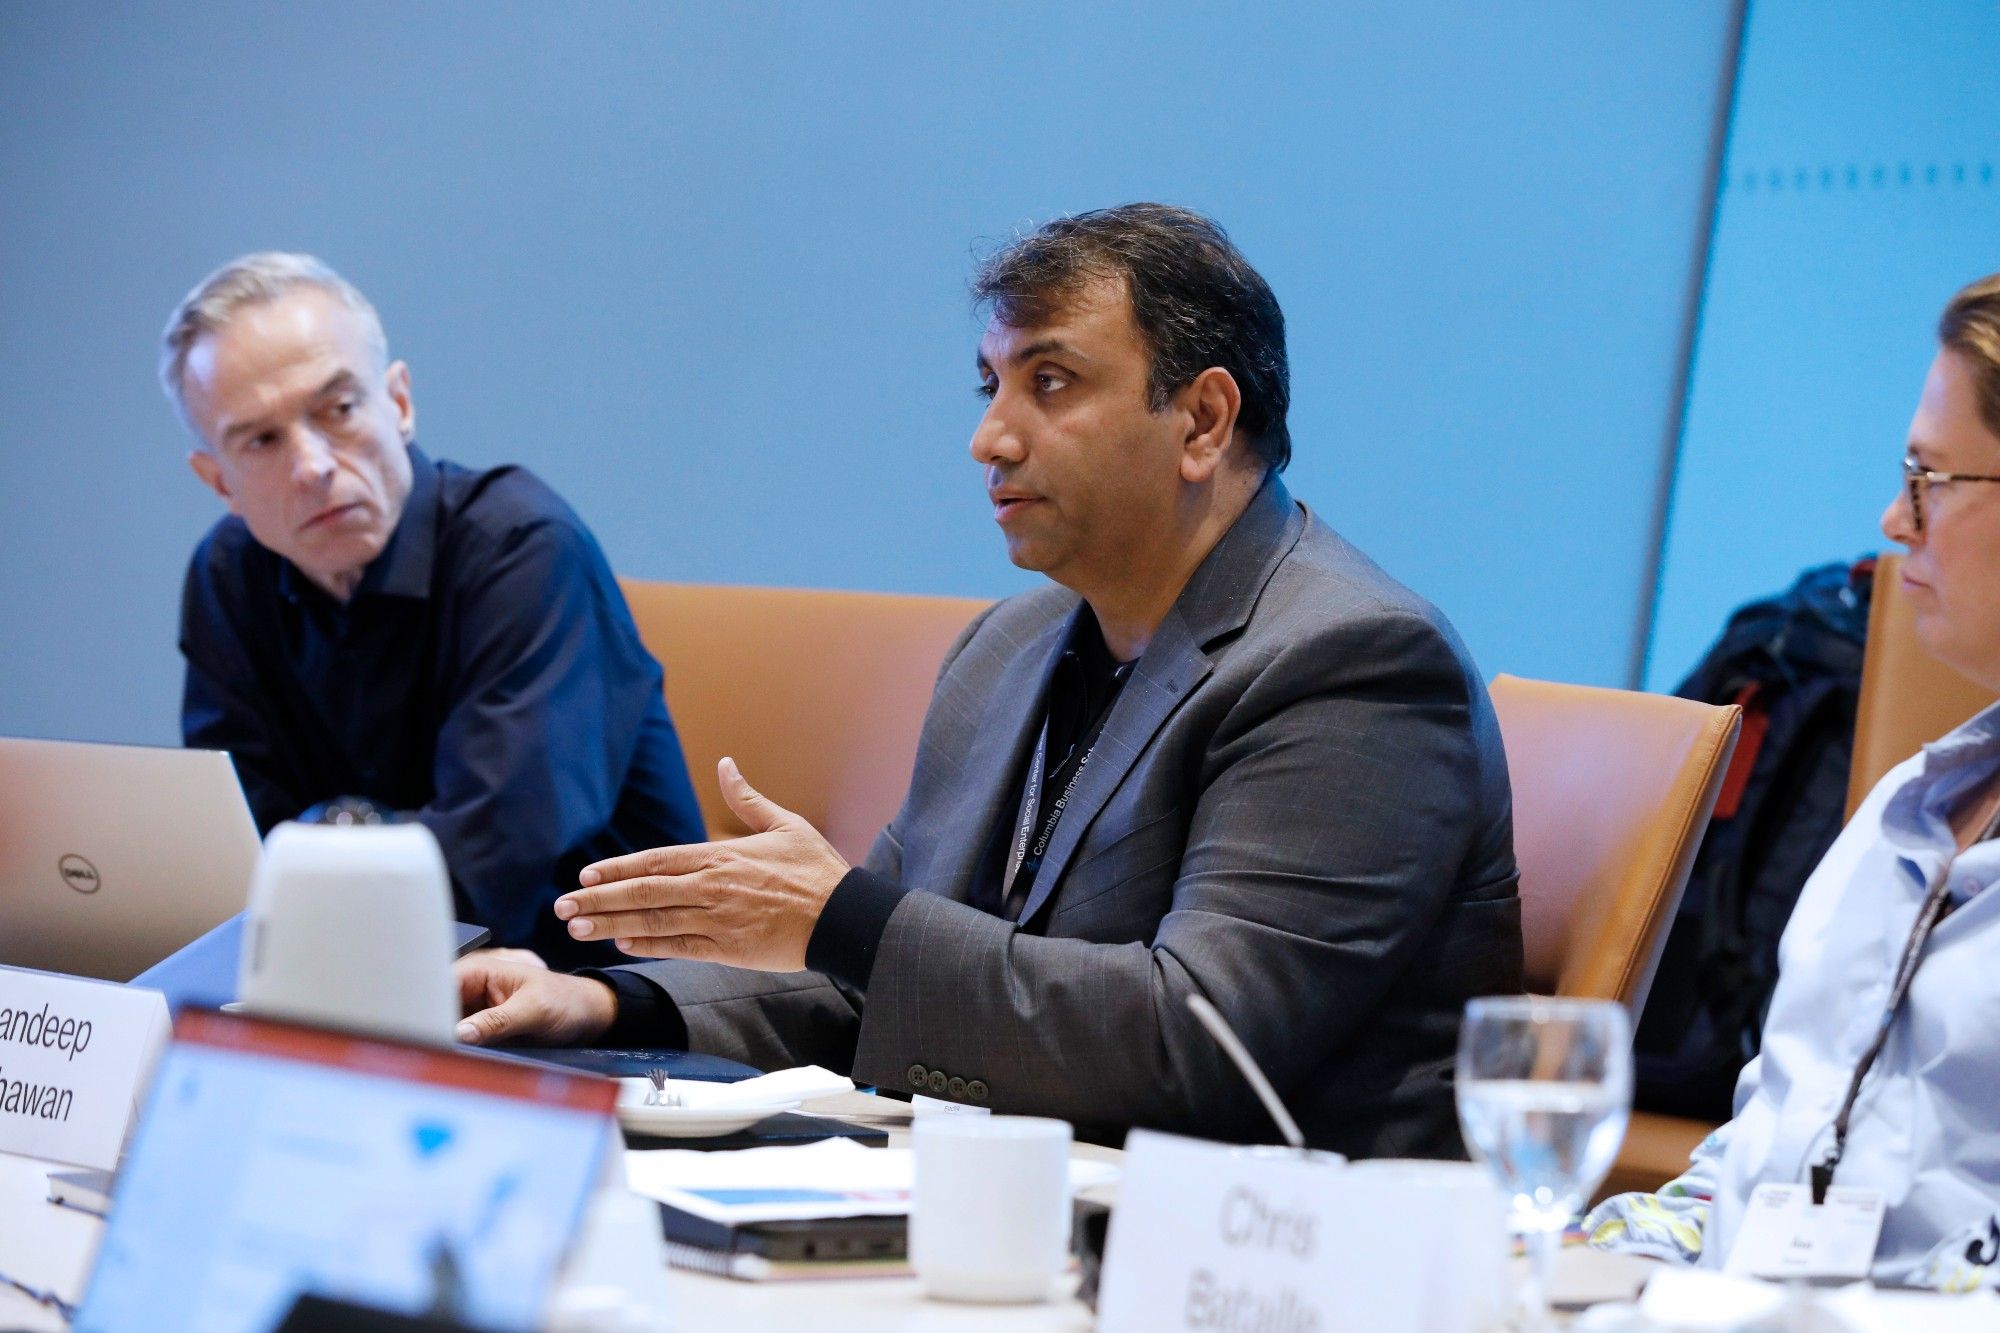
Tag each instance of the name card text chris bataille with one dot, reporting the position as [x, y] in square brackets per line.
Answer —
[72, 1057]
[1218, 1239]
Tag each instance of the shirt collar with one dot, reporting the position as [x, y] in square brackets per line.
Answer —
[1917, 816]
[404, 567]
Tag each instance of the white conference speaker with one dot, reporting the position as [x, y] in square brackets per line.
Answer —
[350, 926]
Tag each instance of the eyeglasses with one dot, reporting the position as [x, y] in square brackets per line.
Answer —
[1918, 479]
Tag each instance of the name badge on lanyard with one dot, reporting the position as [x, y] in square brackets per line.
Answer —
[1031, 799]
[1786, 1235]
[1820, 1229]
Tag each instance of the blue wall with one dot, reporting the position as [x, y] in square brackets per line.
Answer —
[1861, 189]
[703, 267]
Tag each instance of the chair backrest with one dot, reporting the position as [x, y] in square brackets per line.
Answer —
[819, 696]
[1612, 792]
[1908, 697]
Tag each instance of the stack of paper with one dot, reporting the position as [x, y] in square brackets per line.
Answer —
[832, 1178]
[790, 1211]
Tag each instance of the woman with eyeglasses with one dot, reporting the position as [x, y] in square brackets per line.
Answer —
[1879, 1079]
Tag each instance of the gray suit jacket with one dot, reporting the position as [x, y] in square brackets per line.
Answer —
[1298, 808]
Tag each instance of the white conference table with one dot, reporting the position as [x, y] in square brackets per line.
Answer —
[42, 1244]
[52, 1247]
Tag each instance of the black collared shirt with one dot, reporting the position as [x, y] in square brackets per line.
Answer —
[485, 677]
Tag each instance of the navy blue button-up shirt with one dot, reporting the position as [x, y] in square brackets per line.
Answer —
[485, 677]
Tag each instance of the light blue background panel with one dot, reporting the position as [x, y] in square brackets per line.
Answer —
[703, 267]
[1858, 194]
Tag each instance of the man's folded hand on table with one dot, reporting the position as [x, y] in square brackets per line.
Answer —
[512, 999]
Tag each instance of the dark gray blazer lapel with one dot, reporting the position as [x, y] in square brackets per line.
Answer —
[1170, 669]
[998, 754]
[1217, 600]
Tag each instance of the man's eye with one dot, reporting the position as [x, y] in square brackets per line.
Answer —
[986, 389]
[1047, 381]
[264, 441]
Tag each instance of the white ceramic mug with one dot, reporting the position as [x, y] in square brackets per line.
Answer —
[990, 1213]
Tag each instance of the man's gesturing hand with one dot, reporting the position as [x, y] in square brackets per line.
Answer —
[509, 999]
[751, 901]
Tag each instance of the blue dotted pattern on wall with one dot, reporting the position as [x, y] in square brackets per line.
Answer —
[1858, 192]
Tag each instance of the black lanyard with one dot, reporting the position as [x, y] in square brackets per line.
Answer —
[1928, 916]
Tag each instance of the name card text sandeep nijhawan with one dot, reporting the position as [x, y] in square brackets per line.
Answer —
[73, 1055]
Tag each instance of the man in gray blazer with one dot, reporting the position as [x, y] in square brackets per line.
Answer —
[1227, 756]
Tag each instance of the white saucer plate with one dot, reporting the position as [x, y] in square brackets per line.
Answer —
[689, 1122]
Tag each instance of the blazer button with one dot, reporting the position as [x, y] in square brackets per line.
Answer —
[938, 1081]
[976, 1090]
[919, 1076]
[956, 1088]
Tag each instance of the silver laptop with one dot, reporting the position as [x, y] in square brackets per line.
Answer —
[114, 856]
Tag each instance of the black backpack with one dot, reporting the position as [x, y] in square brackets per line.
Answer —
[1794, 663]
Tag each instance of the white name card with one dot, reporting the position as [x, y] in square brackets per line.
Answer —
[921, 1106]
[1785, 1235]
[1219, 1239]
[74, 1056]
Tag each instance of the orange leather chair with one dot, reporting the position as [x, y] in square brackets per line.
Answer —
[1612, 792]
[1908, 697]
[818, 696]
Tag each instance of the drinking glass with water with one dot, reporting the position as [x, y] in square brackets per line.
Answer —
[1544, 1091]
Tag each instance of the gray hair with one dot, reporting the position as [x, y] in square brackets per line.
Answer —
[251, 280]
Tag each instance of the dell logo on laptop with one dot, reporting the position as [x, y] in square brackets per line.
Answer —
[79, 874]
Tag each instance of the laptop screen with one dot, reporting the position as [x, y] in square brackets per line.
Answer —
[274, 1160]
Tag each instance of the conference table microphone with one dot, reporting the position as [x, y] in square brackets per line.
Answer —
[1232, 1046]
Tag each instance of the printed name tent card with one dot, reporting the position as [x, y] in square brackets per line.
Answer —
[1217, 1238]
[74, 1055]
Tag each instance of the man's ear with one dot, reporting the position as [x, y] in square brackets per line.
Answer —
[1211, 402]
[396, 383]
[209, 469]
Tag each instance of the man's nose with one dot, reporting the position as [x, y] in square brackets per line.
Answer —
[312, 458]
[994, 440]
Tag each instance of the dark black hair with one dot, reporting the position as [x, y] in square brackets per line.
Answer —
[1195, 298]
